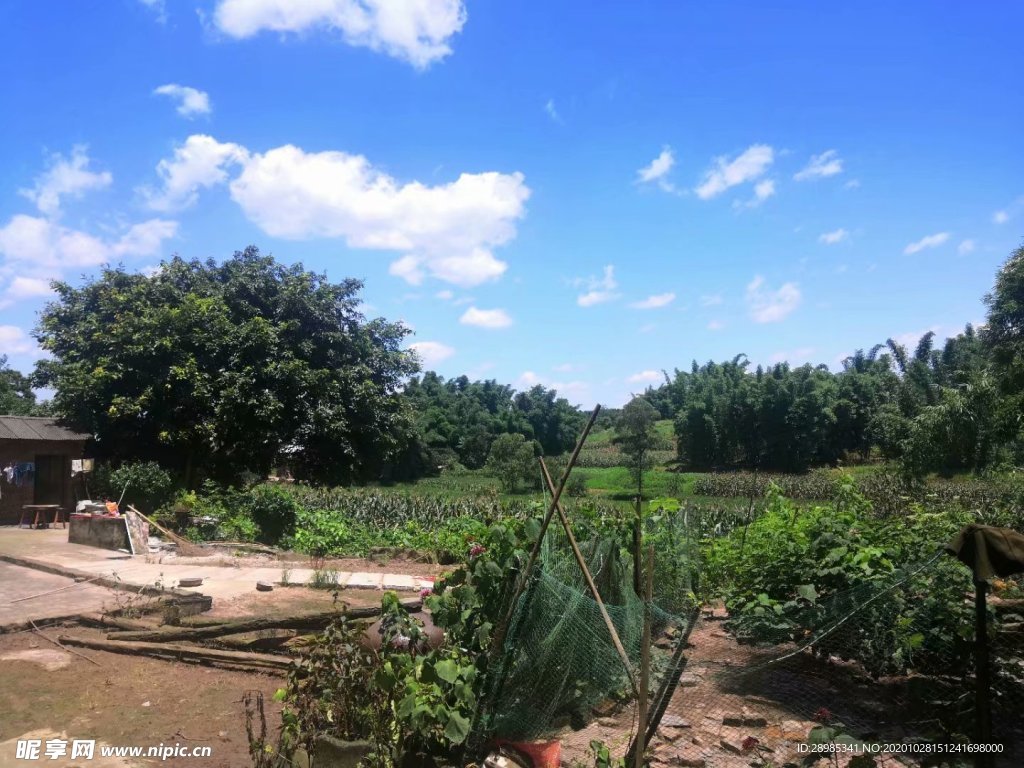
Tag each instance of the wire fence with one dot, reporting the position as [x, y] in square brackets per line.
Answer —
[881, 674]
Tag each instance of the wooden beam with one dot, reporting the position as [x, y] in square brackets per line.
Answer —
[301, 621]
[182, 652]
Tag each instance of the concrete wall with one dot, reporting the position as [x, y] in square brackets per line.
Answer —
[102, 532]
[12, 497]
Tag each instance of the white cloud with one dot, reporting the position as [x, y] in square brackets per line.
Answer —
[929, 241]
[191, 101]
[1010, 211]
[563, 367]
[711, 300]
[852, 184]
[599, 290]
[417, 31]
[432, 352]
[799, 355]
[715, 325]
[965, 247]
[486, 318]
[762, 191]
[199, 163]
[41, 245]
[28, 288]
[833, 237]
[645, 377]
[23, 287]
[444, 295]
[446, 231]
[771, 306]
[648, 328]
[158, 7]
[828, 163]
[549, 107]
[725, 173]
[528, 379]
[910, 338]
[65, 177]
[655, 302]
[15, 341]
[657, 170]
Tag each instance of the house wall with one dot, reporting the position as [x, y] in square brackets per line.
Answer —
[12, 498]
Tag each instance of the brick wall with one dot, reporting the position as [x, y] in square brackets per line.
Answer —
[12, 497]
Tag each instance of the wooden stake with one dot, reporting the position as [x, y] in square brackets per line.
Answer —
[982, 685]
[645, 661]
[590, 580]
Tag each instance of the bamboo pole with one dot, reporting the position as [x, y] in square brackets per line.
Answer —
[58, 589]
[498, 643]
[590, 580]
[57, 643]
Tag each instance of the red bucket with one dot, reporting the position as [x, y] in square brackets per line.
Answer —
[544, 754]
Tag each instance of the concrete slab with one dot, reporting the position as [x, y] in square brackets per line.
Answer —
[399, 582]
[71, 599]
[51, 549]
[362, 580]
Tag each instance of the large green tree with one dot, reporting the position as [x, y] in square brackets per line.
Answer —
[1004, 338]
[16, 395]
[215, 369]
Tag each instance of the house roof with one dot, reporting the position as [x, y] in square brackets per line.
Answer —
[36, 428]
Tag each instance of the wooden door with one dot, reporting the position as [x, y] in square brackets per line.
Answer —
[51, 473]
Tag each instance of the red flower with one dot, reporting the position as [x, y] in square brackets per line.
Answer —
[823, 715]
[425, 593]
[476, 550]
[749, 743]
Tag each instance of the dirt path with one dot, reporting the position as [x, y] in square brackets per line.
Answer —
[126, 700]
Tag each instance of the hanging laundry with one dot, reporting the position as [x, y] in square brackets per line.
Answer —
[24, 473]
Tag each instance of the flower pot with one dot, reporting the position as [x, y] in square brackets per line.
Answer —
[544, 754]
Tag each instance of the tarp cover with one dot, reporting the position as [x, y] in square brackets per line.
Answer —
[989, 551]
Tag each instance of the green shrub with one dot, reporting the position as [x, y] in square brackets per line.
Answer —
[576, 487]
[145, 484]
[794, 572]
[272, 509]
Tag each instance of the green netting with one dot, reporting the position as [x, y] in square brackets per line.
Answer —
[561, 665]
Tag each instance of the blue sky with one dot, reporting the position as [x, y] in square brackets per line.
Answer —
[573, 194]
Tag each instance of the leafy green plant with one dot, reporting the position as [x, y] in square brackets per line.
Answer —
[332, 691]
[145, 484]
[603, 756]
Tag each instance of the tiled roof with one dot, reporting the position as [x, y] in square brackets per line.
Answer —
[35, 428]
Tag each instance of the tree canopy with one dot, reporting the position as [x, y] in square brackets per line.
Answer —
[459, 419]
[16, 395]
[215, 369]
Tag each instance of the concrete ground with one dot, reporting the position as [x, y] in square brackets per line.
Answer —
[68, 599]
[49, 548]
